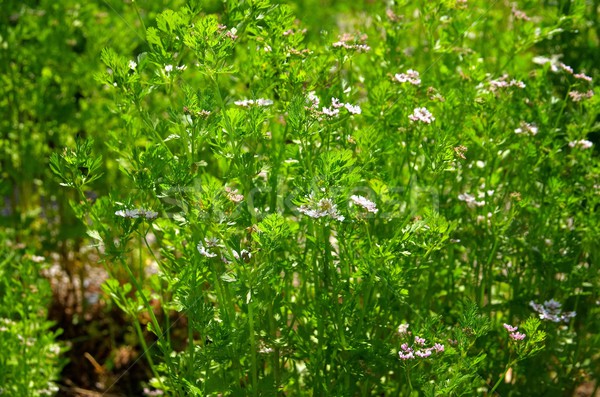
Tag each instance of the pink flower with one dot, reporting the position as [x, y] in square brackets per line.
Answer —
[335, 103]
[582, 143]
[423, 115]
[510, 328]
[411, 76]
[423, 353]
[577, 96]
[438, 347]
[517, 336]
[369, 206]
[520, 14]
[331, 112]
[322, 208]
[503, 83]
[583, 76]
[354, 109]
[419, 341]
[566, 68]
[352, 42]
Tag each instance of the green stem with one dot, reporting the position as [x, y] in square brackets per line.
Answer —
[138, 329]
[253, 347]
[149, 308]
[510, 364]
[215, 82]
[163, 294]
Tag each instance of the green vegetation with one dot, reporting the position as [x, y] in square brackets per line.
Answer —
[301, 198]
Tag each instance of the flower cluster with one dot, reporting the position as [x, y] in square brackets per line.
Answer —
[233, 195]
[518, 14]
[314, 101]
[137, 213]
[471, 200]
[411, 76]
[353, 42]
[514, 335]
[153, 392]
[168, 68]
[231, 34]
[577, 96]
[204, 249]
[503, 82]
[365, 203]
[551, 311]
[244, 255]
[292, 32]
[408, 353]
[582, 143]
[460, 151]
[319, 209]
[246, 103]
[556, 66]
[336, 105]
[582, 76]
[527, 128]
[423, 115]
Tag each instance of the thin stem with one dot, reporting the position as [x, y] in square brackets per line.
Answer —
[138, 330]
[149, 308]
[508, 366]
[253, 347]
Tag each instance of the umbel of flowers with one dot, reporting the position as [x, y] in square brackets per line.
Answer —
[418, 349]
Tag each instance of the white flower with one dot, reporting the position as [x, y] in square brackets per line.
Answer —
[551, 310]
[205, 252]
[313, 99]
[250, 102]
[264, 102]
[582, 143]
[168, 68]
[244, 103]
[335, 103]
[470, 200]
[354, 109]
[527, 128]
[423, 115]
[136, 213]
[411, 76]
[331, 112]
[322, 208]
[366, 204]
[132, 65]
